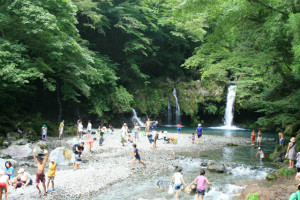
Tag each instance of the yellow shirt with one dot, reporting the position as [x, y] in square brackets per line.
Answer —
[52, 169]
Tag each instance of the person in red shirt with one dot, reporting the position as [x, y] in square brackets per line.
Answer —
[178, 128]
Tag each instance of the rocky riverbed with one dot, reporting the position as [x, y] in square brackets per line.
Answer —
[111, 163]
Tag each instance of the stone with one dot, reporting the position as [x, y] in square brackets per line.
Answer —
[42, 144]
[215, 166]
[20, 142]
[204, 163]
[18, 151]
[3, 161]
[61, 155]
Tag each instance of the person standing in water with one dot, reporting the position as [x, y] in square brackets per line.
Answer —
[281, 138]
[201, 180]
[259, 138]
[178, 128]
[199, 132]
[178, 180]
[260, 153]
[253, 138]
[136, 156]
[61, 129]
[40, 176]
[148, 124]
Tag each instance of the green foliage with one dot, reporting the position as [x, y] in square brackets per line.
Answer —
[271, 176]
[231, 145]
[253, 196]
[287, 172]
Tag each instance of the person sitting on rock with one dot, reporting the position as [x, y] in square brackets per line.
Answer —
[19, 183]
[24, 176]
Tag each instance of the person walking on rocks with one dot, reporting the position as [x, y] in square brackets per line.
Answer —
[291, 152]
[40, 176]
[51, 174]
[259, 138]
[77, 155]
[44, 132]
[136, 130]
[78, 122]
[201, 180]
[80, 129]
[199, 132]
[281, 138]
[148, 124]
[178, 180]
[61, 129]
[136, 156]
[101, 133]
[3, 184]
[89, 127]
[178, 128]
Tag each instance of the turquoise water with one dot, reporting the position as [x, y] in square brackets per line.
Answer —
[228, 185]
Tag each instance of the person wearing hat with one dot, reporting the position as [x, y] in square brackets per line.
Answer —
[291, 152]
[44, 132]
[295, 195]
[51, 174]
[261, 153]
[199, 132]
[25, 177]
[3, 183]
[178, 180]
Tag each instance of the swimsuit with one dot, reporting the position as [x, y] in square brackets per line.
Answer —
[40, 177]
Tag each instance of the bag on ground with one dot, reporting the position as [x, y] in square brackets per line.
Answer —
[171, 190]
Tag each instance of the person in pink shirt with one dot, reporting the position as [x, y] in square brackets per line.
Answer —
[201, 180]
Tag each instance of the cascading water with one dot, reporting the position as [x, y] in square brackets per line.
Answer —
[135, 118]
[228, 117]
[177, 106]
[169, 112]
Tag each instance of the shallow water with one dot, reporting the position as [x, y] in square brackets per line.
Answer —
[227, 185]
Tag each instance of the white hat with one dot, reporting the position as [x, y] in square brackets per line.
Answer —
[21, 170]
[52, 160]
[199, 124]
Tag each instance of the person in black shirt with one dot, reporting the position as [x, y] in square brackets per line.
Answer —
[136, 156]
[77, 153]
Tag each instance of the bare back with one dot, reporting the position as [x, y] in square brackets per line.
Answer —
[281, 135]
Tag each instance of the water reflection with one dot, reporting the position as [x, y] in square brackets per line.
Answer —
[228, 154]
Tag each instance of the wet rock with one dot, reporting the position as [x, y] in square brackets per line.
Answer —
[215, 166]
[204, 163]
[61, 155]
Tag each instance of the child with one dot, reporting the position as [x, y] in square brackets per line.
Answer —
[51, 174]
[200, 184]
[261, 153]
[19, 183]
[136, 156]
[193, 138]
[130, 139]
[3, 184]
[90, 142]
[178, 128]
[40, 176]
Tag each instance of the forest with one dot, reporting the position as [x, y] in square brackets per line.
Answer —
[98, 59]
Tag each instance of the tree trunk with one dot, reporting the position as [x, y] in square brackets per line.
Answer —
[59, 103]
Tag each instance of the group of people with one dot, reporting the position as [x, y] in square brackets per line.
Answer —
[8, 179]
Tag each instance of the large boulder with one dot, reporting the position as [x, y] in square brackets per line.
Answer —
[215, 166]
[61, 155]
[42, 144]
[18, 151]
[20, 142]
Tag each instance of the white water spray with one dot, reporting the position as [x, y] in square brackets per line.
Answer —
[135, 118]
[177, 106]
[230, 106]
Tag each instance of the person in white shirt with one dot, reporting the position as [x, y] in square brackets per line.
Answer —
[89, 128]
[124, 133]
[178, 180]
[80, 129]
[136, 130]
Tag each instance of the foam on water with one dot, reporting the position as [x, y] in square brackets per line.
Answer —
[225, 192]
[249, 173]
[227, 128]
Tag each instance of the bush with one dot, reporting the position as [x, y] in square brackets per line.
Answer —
[287, 172]
[271, 176]
[254, 196]
[231, 145]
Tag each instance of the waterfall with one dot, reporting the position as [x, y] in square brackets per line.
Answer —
[177, 106]
[135, 118]
[228, 117]
[169, 112]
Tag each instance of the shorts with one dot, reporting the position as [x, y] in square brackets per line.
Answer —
[43, 136]
[178, 129]
[201, 192]
[51, 178]
[2, 185]
[89, 131]
[199, 136]
[147, 129]
[177, 186]
[259, 139]
[30, 181]
[90, 141]
[281, 141]
[253, 138]
[136, 134]
[298, 170]
[138, 157]
[40, 177]
[61, 132]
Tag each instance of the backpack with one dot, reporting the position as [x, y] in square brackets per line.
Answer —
[74, 148]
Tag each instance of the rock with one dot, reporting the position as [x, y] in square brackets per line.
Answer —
[18, 151]
[13, 136]
[13, 162]
[38, 150]
[42, 144]
[61, 155]
[215, 166]
[231, 145]
[20, 142]
[204, 163]
[278, 159]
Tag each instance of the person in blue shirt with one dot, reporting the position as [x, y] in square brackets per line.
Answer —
[199, 132]
[136, 156]
[9, 170]
[154, 126]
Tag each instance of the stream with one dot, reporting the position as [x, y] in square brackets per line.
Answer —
[244, 167]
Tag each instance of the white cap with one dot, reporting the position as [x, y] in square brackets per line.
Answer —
[52, 160]
[21, 170]
[199, 124]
